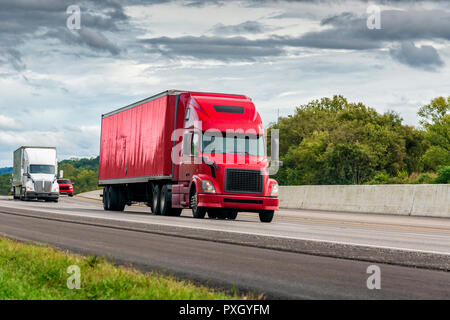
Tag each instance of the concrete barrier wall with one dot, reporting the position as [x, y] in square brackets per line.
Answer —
[431, 200]
[415, 200]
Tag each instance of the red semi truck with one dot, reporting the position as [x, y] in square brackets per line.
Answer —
[180, 149]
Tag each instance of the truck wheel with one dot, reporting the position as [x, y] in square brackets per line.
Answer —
[156, 199]
[197, 212]
[232, 214]
[165, 203]
[106, 203]
[222, 214]
[176, 212]
[22, 196]
[266, 216]
[116, 199]
[212, 213]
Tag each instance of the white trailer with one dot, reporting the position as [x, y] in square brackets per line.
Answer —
[35, 173]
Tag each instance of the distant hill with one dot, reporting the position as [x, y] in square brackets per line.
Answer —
[7, 170]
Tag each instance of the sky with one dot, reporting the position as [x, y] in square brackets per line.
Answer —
[57, 77]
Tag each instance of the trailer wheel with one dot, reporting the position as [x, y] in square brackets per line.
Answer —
[14, 193]
[197, 212]
[106, 202]
[116, 198]
[156, 199]
[266, 216]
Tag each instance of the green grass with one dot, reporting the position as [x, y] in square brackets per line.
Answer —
[40, 272]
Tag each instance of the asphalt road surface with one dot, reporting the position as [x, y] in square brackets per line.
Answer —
[276, 273]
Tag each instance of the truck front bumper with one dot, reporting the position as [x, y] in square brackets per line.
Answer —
[245, 203]
[42, 195]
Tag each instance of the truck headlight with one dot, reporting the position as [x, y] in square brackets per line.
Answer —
[29, 186]
[208, 187]
[274, 190]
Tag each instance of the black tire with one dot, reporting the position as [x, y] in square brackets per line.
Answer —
[212, 213]
[176, 212]
[266, 216]
[106, 202]
[22, 194]
[156, 191]
[222, 214]
[165, 203]
[149, 196]
[116, 196]
[197, 212]
[70, 195]
[232, 214]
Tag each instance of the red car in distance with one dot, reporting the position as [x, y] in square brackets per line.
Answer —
[65, 187]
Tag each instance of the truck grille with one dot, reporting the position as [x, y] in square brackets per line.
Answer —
[243, 181]
[63, 188]
[43, 186]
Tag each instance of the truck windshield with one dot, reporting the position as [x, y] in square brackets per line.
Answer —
[42, 168]
[251, 144]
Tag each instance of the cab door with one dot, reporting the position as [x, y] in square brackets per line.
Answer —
[190, 154]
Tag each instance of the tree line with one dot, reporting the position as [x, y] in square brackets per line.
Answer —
[333, 141]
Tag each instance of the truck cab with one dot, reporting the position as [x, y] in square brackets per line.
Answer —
[223, 160]
[34, 174]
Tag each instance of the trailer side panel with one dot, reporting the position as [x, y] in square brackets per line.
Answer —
[136, 143]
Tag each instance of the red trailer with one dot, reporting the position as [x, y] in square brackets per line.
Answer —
[180, 149]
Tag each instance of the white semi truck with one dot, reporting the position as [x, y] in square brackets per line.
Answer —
[35, 173]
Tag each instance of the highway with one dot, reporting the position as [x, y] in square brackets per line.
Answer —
[300, 255]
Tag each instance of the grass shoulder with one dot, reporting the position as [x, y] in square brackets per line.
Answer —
[40, 272]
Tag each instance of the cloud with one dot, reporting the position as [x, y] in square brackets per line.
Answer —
[21, 21]
[346, 31]
[244, 27]
[97, 40]
[14, 57]
[7, 123]
[218, 48]
[424, 57]
[68, 141]
[349, 31]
